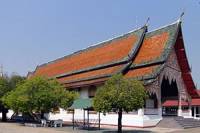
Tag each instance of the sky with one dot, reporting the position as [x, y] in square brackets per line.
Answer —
[33, 32]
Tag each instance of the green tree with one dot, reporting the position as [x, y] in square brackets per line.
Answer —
[120, 94]
[6, 85]
[4, 88]
[39, 94]
[14, 80]
[9, 83]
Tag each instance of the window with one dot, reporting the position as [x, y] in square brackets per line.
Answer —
[77, 89]
[92, 91]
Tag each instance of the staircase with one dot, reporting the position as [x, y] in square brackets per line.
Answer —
[169, 122]
[187, 122]
[178, 122]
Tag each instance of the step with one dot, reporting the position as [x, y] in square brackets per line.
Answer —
[169, 122]
[187, 122]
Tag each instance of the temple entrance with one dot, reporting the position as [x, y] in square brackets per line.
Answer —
[169, 93]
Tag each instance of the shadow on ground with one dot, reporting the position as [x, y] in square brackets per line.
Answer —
[96, 130]
[129, 131]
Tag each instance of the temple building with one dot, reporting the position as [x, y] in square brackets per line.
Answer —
[158, 58]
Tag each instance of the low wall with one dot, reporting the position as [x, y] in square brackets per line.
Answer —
[128, 119]
[131, 120]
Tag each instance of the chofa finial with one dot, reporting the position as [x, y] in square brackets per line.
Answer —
[181, 16]
[147, 22]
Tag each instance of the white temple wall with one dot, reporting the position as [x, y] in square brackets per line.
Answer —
[132, 120]
[135, 119]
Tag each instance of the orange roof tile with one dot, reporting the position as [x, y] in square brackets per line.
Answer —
[95, 73]
[111, 51]
[73, 70]
[144, 71]
[152, 48]
[85, 83]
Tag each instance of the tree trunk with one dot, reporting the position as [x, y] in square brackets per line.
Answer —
[4, 115]
[120, 121]
[42, 115]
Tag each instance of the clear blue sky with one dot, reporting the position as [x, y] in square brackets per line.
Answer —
[33, 32]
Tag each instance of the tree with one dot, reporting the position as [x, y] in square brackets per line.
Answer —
[9, 83]
[6, 85]
[120, 94]
[39, 94]
[4, 88]
[14, 80]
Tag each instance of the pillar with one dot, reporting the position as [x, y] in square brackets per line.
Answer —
[179, 106]
[159, 102]
[190, 109]
[141, 112]
[73, 122]
[195, 111]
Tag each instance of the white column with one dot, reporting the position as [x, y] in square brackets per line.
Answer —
[140, 112]
[190, 112]
[179, 106]
[190, 109]
[160, 111]
[159, 106]
[159, 101]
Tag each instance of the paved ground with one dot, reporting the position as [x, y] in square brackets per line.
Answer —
[17, 128]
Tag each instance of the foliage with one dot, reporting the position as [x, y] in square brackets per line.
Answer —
[4, 86]
[14, 80]
[39, 94]
[9, 83]
[120, 94]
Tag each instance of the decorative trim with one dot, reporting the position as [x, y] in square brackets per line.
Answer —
[88, 79]
[173, 33]
[173, 72]
[134, 51]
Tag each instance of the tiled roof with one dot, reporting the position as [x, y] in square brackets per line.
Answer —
[198, 91]
[137, 54]
[110, 52]
[174, 103]
[153, 52]
[143, 72]
[86, 82]
[137, 48]
[156, 45]
[152, 48]
[91, 74]
[184, 66]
